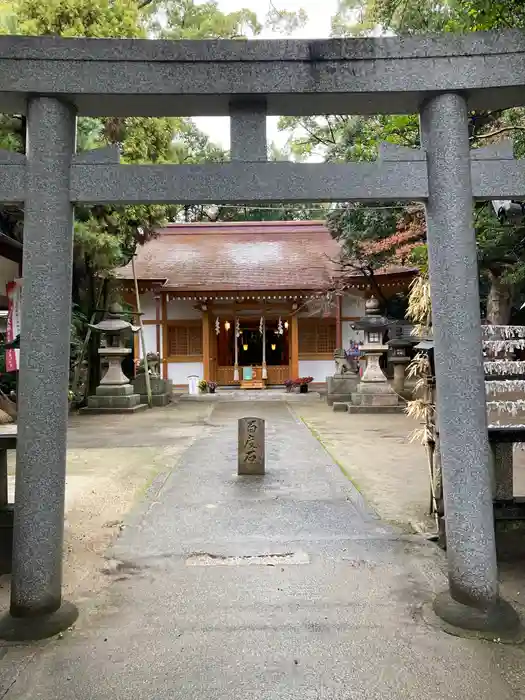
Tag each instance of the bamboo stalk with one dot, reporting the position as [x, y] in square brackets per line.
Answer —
[141, 331]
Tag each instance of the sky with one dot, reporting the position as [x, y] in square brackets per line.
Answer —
[320, 13]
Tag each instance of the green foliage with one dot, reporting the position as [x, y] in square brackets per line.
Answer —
[285, 22]
[491, 14]
[272, 212]
[362, 17]
[419, 258]
[501, 246]
[74, 18]
[12, 133]
[187, 19]
[356, 227]
[78, 325]
[357, 138]
[340, 139]
[107, 236]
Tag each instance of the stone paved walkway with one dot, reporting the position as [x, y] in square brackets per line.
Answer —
[198, 610]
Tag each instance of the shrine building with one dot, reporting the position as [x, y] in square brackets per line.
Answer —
[219, 297]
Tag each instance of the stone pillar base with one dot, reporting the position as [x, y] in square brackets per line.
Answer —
[360, 399]
[113, 390]
[35, 627]
[161, 390]
[156, 399]
[375, 397]
[339, 388]
[399, 376]
[398, 408]
[128, 403]
[497, 623]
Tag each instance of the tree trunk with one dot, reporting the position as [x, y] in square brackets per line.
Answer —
[499, 301]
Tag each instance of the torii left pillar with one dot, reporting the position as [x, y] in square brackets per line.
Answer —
[37, 610]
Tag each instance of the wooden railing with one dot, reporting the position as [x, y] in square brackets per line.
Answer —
[225, 376]
[276, 375]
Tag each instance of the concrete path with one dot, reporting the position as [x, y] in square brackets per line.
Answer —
[397, 487]
[199, 609]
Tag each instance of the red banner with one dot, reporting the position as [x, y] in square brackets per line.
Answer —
[12, 357]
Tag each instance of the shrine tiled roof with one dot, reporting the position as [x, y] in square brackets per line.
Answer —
[253, 255]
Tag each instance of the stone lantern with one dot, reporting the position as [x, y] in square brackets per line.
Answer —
[114, 394]
[400, 360]
[373, 393]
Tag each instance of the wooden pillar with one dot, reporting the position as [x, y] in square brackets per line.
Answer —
[158, 322]
[338, 328]
[264, 367]
[136, 353]
[236, 337]
[206, 345]
[214, 338]
[294, 347]
[164, 320]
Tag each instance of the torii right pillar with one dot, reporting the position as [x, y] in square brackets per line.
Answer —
[472, 605]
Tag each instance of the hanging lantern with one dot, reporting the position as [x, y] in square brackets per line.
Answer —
[217, 325]
[245, 347]
[274, 346]
[286, 325]
[227, 325]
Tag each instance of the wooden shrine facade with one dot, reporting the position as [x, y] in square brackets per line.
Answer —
[195, 335]
[219, 297]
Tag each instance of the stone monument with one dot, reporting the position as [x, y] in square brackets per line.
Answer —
[374, 393]
[339, 386]
[114, 394]
[251, 447]
[161, 389]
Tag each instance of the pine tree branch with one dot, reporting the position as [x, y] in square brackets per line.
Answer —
[316, 137]
[498, 131]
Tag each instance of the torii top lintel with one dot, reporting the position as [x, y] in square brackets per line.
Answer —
[127, 77]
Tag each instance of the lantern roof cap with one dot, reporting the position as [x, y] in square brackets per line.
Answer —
[399, 343]
[114, 323]
[372, 320]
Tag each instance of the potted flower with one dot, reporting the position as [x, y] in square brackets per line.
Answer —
[303, 383]
[203, 386]
[211, 387]
[289, 384]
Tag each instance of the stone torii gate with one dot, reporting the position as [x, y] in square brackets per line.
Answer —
[53, 80]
